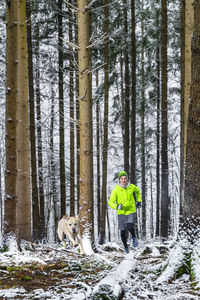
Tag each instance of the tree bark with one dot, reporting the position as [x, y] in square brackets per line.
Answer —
[71, 97]
[187, 28]
[39, 139]
[10, 119]
[133, 89]
[143, 162]
[61, 112]
[126, 94]
[34, 185]
[164, 146]
[23, 138]
[98, 159]
[105, 135]
[77, 128]
[192, 169]
[158, 125]
[86, 155]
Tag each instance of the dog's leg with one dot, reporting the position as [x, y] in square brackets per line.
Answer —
[61, 236]
[72, 240]
[80, 244]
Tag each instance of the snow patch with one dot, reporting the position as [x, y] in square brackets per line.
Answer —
[173, 262]
[87, 247]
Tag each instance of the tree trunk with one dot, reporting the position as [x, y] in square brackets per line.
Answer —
[158, 125]
[105, 136]
[23, 138]
[98, 159]
[52, 166]
[39, 140]
[77, 129]
[143, 162]
[127, 94]
[187, 25]
[35, 203]
[164, 146]
[192, 169]
[61, 112]
[86, 157]
[133, 114]
[71, 97]
[10, 119]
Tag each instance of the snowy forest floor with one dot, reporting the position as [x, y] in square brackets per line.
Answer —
[52, 272]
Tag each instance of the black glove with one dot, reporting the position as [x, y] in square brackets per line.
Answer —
[138, 204]
[119, 206]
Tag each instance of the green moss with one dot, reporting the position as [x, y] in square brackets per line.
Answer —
[146, 251]
[25, 278]
[159, 271]
[186, 266]
[73, 266]
[4, 248]
[163, 250]
[14, 269]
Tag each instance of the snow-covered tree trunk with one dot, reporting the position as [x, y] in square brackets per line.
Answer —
[105, 135]
[61, 112]
[34, 180]
[133, 90]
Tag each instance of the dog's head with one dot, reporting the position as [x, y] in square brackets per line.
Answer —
[73, 224]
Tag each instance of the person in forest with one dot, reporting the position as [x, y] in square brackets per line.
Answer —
[125, 198]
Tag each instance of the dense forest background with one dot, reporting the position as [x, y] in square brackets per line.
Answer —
[136, 90]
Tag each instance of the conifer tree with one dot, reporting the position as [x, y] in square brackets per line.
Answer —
[86, 159]
[192, 170]
[10, 120]
[164, 129]
[22, 132]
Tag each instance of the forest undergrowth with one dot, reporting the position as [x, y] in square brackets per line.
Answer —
[52, 272]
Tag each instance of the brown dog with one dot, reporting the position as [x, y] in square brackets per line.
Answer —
[71, 228]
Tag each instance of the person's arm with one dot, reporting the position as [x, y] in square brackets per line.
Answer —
[138, 194]
[113, 198]
[137, 197]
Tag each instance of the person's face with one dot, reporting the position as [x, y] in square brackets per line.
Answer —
[123, 181]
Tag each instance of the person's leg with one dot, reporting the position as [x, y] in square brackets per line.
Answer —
[130, 227]
[124, 240]
[122, 228]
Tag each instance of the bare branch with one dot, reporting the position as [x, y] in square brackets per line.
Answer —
[92, 70]
[74, 7]
[71, 44]
[98, 41]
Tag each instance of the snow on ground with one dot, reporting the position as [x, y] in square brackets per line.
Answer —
[108, 274]
[196, 263]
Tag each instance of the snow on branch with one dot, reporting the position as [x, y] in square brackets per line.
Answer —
[195, 264]
[98, 41]
[70, 44]
[74, 7]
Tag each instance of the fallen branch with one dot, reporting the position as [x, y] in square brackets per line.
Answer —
[151, 256]
[111, 284]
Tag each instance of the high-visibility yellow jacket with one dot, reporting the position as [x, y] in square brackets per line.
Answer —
[125, 197]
